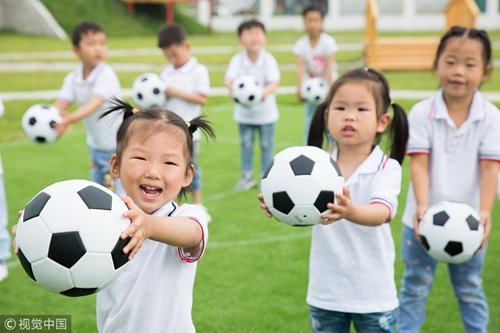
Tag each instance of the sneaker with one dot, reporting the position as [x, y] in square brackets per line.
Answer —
[205, 210]
[245, 184]
[4, 272]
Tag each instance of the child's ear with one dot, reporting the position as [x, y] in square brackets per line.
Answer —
[189, 175]
[383, 122]
[114, 169]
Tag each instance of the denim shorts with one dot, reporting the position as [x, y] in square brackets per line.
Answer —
[326, 321]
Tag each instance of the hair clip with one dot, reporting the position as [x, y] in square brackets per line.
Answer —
[135, 110]
[188, 124]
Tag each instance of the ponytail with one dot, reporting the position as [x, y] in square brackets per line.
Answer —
[399, 132]
[318, 126]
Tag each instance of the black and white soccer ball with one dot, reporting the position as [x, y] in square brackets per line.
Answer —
[451, 232]
[247, 91]
[148, 90]
[299, 183]
[68, 237]
[39, 122]
[314, 90]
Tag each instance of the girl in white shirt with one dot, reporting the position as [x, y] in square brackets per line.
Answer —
[153, 162]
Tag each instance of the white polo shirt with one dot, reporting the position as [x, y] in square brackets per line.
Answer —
[454, 153]
[103, 83]
[351, 267]
[192, 77]
[265, 70]
[2, 109]
[155, 292]
[315, 57]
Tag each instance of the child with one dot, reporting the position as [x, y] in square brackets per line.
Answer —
[351, 269]
[455, 149]
[187, 87]
[153, 160]
[259, 63]
[315, 55]
[90, 86]
[4, 234]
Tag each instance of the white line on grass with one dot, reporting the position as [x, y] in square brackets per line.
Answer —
[247, 242]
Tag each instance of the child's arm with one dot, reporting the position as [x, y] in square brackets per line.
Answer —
[330, 61]
[269, 88]
[488, 187]
[187, 96]
[300, 76]
[373, 214]
[182, 232]
[82, 112]
[419, 171]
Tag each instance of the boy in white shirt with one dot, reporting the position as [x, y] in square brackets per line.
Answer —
[260, 64]
[91, 86]
[187, 85]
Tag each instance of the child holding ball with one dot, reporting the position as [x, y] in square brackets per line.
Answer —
[455, 149]
[351, 267]
[153, 160]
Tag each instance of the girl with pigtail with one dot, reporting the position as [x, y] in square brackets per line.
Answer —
[153, 162]
[351, 270]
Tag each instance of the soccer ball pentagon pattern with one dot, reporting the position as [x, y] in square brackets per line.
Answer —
[451, 232]
[247, 91]
[68, 237]
[314, 90]
[39, 122]
[148, 90]
[298, 184]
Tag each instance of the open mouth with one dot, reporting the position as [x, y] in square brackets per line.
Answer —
[348, 129]
[150, 191]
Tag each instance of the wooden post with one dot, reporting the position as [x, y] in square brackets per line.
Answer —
[169, 8]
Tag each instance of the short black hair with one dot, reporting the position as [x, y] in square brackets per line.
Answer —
[313, 8]
[171, 34]
[250, 24]
[83, 28]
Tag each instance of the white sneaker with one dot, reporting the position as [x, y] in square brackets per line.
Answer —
[4, 272]
[245, 184]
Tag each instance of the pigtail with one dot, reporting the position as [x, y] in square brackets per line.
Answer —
[203, 125]
[119, 105]
[400, 133]
[317, 127]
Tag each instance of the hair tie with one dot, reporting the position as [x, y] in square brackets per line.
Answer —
[391, 103]
[135, 110]
[188, 124]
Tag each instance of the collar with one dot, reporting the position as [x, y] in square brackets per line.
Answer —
[93, 74]
[166, 210]
[187, 67]
[441, 110]
[375, 162]
[260, 59]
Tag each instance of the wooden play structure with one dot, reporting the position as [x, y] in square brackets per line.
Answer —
[410, 53]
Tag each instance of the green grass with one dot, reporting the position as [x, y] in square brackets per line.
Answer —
[253, 277]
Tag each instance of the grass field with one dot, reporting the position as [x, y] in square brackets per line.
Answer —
[253, 277]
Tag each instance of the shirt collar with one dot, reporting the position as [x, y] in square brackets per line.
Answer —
[375, 162]
[248, 62]
[187, 67]
[93, 74]
[475, 111]
[167, 209]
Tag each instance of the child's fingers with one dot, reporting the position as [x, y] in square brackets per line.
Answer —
[128, 201]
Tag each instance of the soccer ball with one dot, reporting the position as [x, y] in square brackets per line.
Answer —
[68, 237]
[149, 90]
[314, 90]
[451, 232]
[39, 121]
[247, 91]
[298, 184]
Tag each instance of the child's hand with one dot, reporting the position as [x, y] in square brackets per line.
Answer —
[14, 245]
[341, 210]
[486, 221]
[138, 230]
[260, 197]
[61, 127]
[419, 215]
